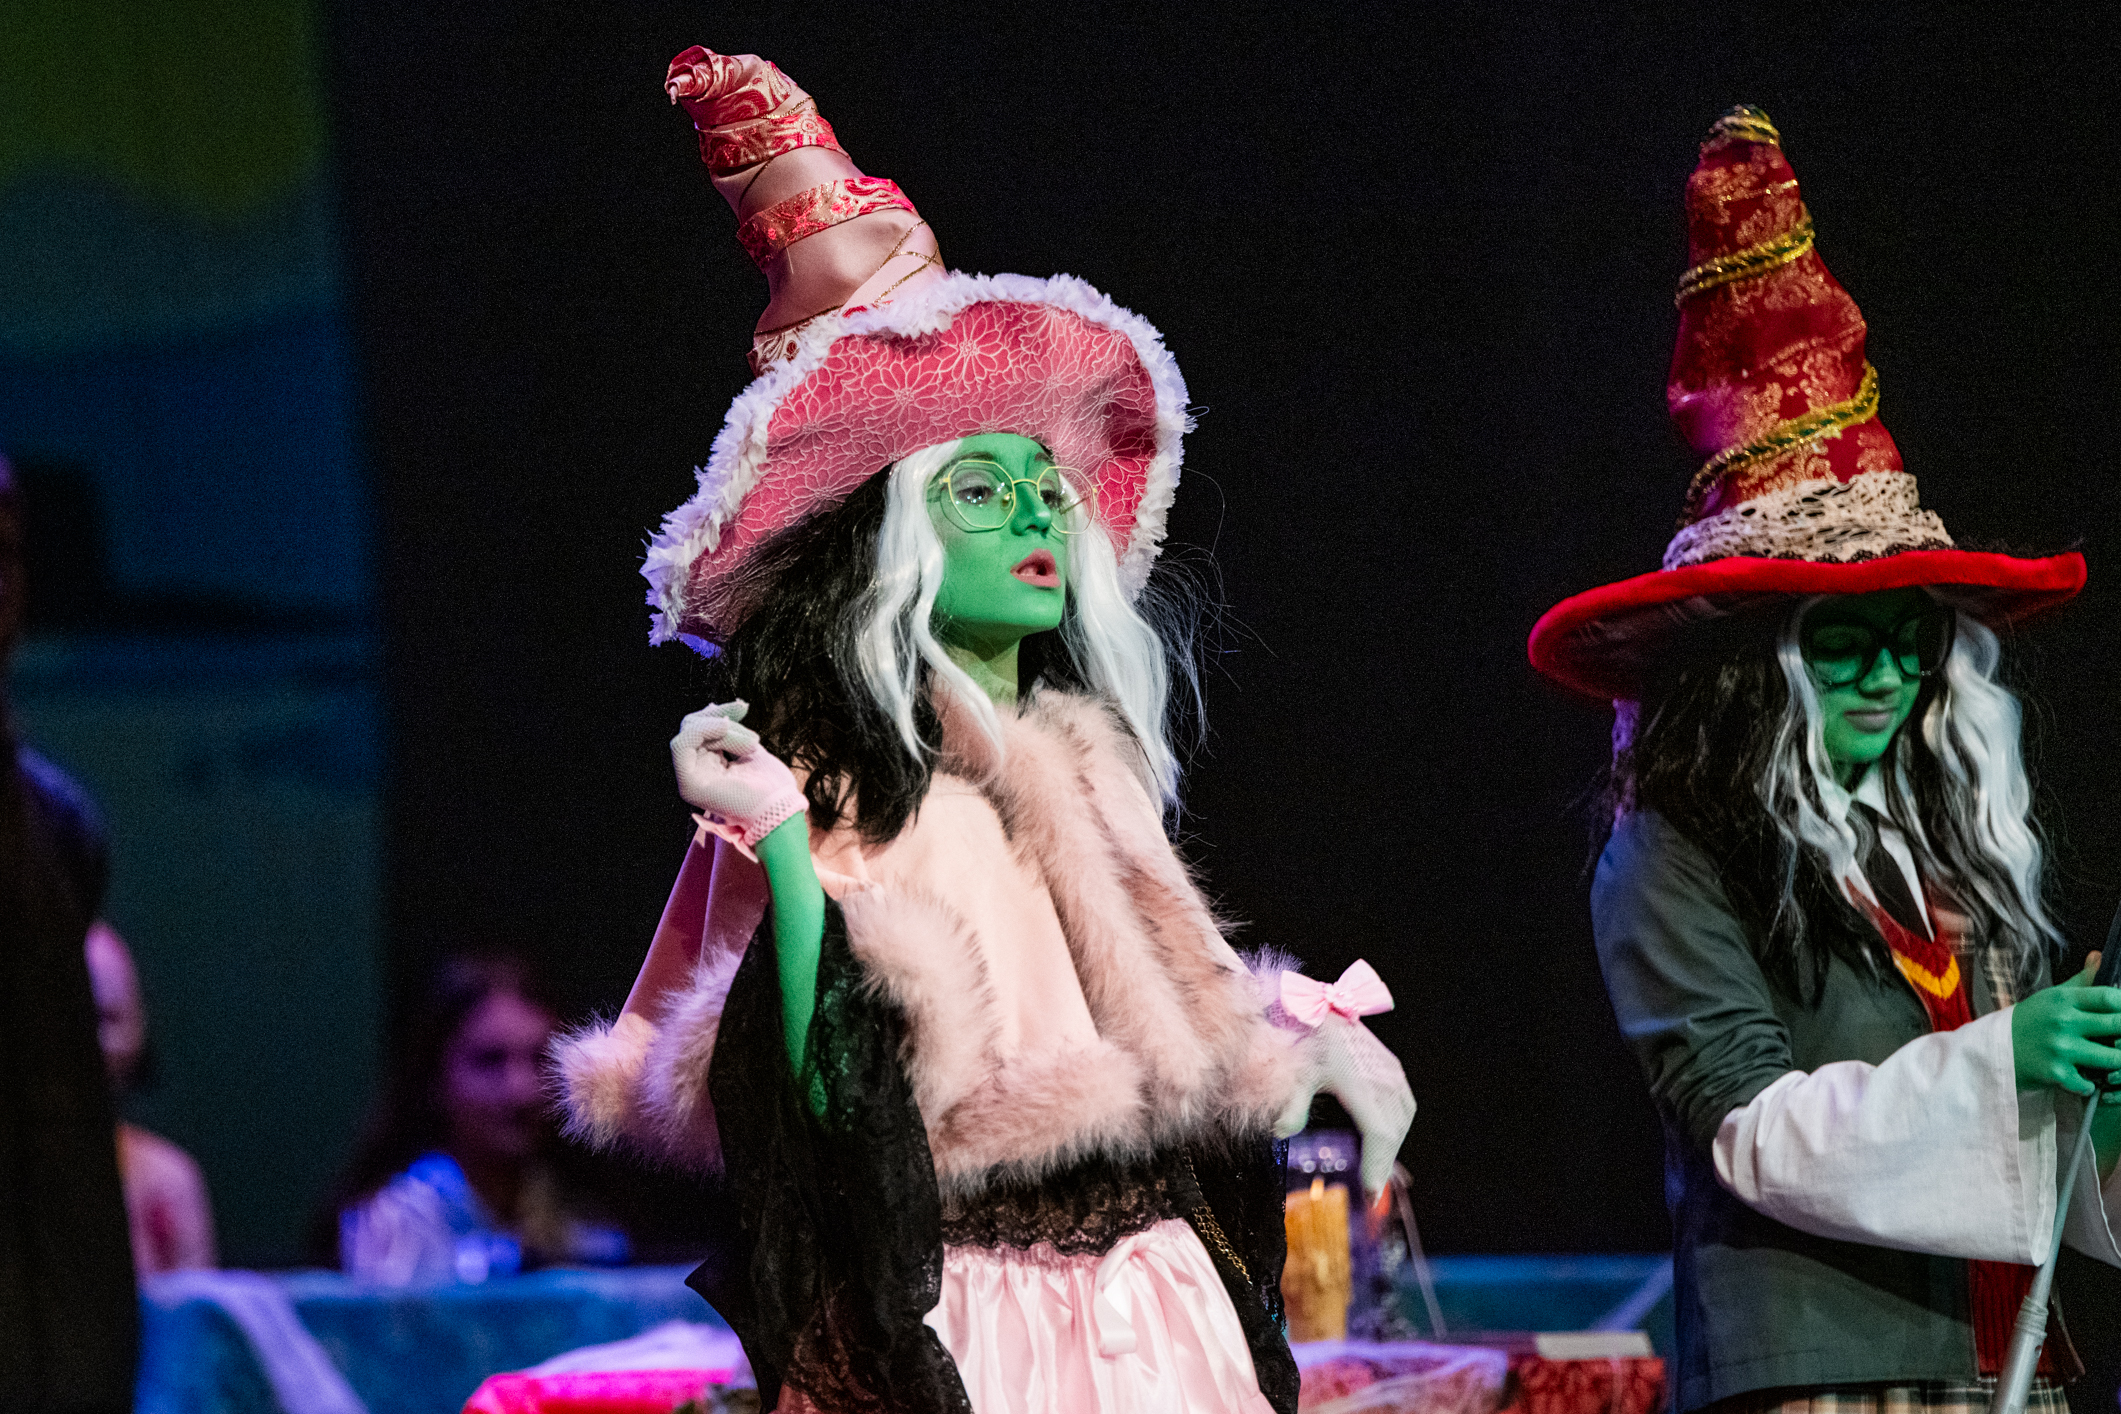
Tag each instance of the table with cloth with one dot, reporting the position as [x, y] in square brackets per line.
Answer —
[1513, 1376]
[318, 1343]
[209, 1342]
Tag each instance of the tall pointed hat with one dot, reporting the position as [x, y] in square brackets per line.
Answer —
[1801, 490]
[869, 349]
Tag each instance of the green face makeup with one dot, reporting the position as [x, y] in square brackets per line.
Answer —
[1867, 655]
[1001, 584]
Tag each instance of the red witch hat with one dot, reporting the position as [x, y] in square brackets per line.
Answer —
[1802, 491]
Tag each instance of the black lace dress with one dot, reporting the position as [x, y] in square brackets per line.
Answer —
[843, 1226]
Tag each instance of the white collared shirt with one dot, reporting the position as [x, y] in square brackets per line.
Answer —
[1870, 791]
[1934, 1149]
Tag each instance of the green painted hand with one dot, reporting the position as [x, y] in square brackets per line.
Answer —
[2053, 1031]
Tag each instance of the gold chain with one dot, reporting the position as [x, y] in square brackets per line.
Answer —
[898, 248]
[1204, 1223]
[896, 251]
[1755, 259]
[1783, 436]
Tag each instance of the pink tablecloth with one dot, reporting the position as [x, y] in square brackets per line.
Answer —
[1339, 1377]
[1402, 1377]
[590, 1392]
[1509, 1377]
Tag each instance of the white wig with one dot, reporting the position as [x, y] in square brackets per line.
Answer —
[1971, 727]
[1115, 651]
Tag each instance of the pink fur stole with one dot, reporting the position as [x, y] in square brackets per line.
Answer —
[1185, 1047]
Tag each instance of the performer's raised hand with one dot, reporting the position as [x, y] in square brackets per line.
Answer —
[2070, 1024]
[742, 790]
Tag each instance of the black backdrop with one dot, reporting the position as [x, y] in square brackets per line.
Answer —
[1416, 265]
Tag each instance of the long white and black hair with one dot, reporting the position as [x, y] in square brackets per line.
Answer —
[1727, 744]
[839, 657]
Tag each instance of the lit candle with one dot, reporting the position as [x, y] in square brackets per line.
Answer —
[1317, 1281]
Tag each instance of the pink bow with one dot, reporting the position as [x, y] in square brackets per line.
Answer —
[1359, 992]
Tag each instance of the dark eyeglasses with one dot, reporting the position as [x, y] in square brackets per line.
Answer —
[1843, 651]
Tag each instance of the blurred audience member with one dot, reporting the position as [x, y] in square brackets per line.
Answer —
[454, 1180]
[165, 1194]
[69, 1322]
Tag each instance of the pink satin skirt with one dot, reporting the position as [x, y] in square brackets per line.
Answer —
[1145, 1329]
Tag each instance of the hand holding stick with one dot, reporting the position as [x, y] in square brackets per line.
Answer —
[2030, 1333]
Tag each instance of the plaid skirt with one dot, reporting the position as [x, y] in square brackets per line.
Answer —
[1924, 1397]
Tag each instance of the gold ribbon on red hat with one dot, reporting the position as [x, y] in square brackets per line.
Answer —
[1819, 423]
[1755, 259]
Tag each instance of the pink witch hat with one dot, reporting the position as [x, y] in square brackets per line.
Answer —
[869, 350]
[1802, 490]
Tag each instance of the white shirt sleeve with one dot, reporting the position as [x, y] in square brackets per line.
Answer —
[1931, 1150]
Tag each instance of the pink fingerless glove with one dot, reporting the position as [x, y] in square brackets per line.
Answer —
[742, 791]
[762, 776]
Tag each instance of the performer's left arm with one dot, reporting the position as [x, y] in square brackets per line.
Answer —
[1946, 1145]
[748, 796]
[1839, 1151]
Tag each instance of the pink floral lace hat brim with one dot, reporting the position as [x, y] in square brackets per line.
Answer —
[1053, 360]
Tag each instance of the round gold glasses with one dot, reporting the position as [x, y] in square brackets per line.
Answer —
[981, 495]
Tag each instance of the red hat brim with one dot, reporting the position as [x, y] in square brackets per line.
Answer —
[1604, 641]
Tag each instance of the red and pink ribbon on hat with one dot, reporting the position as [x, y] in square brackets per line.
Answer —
[1359, 992]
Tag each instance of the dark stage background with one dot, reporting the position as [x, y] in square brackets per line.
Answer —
[1417, 267]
